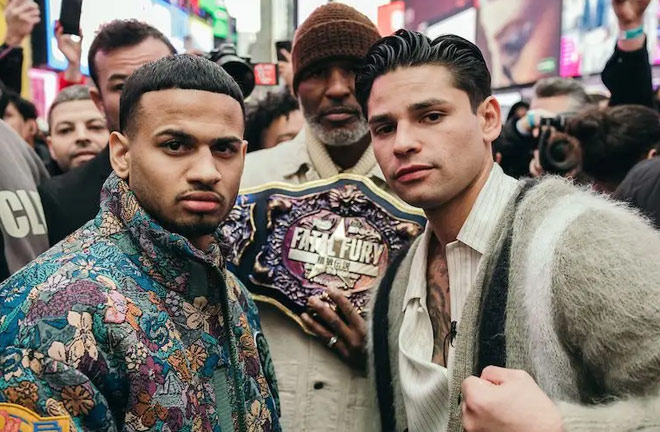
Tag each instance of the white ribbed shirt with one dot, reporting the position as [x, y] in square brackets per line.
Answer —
[424, 384]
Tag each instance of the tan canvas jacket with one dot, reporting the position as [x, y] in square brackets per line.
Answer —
[318, 391]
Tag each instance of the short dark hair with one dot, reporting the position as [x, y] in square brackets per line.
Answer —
[120, 34]
[262, 113]
[407, 48]
[25, 108]
[613, 140]
[185, 71]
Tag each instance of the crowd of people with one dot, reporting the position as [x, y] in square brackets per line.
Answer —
[528, 301]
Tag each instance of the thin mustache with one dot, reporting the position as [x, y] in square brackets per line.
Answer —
[182, 196]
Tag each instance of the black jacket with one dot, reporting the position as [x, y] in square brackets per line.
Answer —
[641, 188]
[627, 75]
[73, 198]
[11, 67]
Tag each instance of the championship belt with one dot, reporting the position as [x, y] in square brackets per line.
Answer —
[290, 242]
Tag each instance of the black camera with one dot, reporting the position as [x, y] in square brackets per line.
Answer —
[558, 152]
[240, 68]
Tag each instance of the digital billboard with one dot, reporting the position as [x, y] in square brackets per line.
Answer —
[519, 39]
[170, 20]
[589, 35]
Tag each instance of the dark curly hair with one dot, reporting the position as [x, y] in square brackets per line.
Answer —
[407, 48]
[261, 114]
[613, 140]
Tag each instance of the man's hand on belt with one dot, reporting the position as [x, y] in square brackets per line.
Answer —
[345, 336]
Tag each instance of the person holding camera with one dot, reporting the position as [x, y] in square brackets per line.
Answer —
[627, 75]
[524, 142]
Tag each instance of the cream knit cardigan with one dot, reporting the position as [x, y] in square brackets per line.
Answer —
[583, 311]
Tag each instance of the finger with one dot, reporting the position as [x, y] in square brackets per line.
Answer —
[343, 350]
[468, 385]
[25, 7]
[286, 54]
[347, 308]
[468, 418]
[315, 327]
[30, 16]
[498, 375]
[330, 318]
[324, 334]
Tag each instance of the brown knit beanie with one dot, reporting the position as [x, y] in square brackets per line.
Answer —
[332, 30]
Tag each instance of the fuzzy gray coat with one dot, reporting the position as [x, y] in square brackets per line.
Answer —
[583, 310]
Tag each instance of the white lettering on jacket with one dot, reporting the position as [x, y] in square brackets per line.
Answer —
[21, 213]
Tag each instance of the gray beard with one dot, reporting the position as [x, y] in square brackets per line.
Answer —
[341, 136]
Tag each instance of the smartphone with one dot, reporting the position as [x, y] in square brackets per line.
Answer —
[70, 16]
[282, 45]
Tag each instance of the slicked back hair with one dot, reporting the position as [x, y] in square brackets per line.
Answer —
[185, 71]
[121, 34]
[407, 48]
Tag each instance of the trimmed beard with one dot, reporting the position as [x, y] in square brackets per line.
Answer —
[339, 136]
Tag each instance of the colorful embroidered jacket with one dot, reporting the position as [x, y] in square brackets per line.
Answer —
[126, 326]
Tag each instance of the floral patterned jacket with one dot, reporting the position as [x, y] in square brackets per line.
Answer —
[126, 326]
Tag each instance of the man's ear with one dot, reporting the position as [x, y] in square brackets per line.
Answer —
[120, 155]
[95, 94]
[490, 119]
[651, 154]
[244, 146]
[49, 141]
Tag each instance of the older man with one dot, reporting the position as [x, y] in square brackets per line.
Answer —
[321, 391]
[133, 322]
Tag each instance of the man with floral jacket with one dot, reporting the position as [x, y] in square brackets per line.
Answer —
[132, 322]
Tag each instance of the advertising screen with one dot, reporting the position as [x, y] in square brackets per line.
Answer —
[589, 34]
[201, 35]
[419, 13]
[463, 24]
[519, 39]
[170, 20]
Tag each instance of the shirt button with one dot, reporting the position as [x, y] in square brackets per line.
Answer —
[318, 385]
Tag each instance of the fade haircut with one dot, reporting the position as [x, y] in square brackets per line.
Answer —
[261, 114]
[120, 34]
[185, 71]
[407, 48]
[556, 86]
[68, 94]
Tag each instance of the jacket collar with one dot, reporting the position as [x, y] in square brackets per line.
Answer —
[299, 162]
[166, 257]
